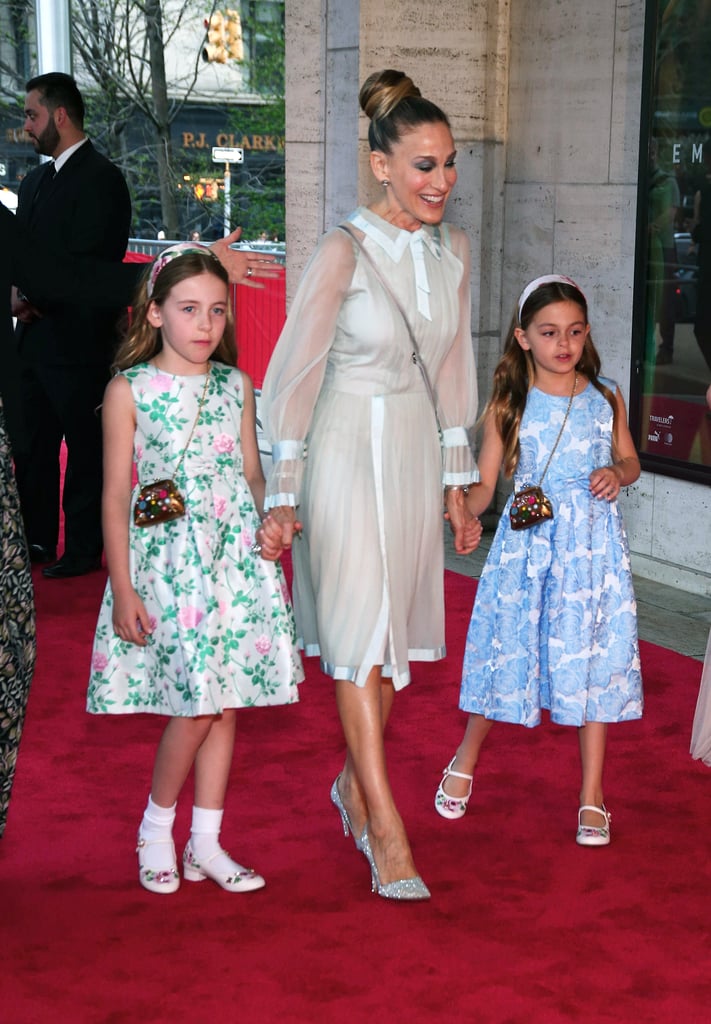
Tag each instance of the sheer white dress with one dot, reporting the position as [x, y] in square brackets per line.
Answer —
[356, 444]
[701, 728]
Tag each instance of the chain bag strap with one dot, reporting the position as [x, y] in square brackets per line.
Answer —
[161, 501]
[416, 359]
[531, 506]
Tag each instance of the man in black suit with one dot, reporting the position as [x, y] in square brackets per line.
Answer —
[79, 205]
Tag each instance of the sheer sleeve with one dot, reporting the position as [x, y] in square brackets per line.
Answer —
[297, 366]
[457, 394]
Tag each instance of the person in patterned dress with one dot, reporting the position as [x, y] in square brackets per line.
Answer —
[554, 623]
[194, 624]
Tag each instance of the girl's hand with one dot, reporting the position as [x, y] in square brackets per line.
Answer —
[605, 483]
[470, 537]
[466, 528]
[130, 619]
[277, 532]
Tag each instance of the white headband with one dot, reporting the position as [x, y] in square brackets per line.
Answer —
[173, 252]
[546, 279]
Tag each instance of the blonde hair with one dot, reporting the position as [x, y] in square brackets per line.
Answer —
[515, 373]
[395, 106]
[143, 341]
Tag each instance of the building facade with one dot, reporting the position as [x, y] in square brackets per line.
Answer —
[545, 102]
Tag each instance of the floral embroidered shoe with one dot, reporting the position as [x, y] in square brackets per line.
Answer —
[160, 880]
[228, 874]
[594, 835]
[452, 807]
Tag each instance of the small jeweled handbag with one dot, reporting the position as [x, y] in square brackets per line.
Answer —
[530, 505]
[161, 501]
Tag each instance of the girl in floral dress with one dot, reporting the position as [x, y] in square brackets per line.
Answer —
[554, 624]
[194, 624]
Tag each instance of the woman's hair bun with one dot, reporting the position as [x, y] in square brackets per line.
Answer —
[383, 90]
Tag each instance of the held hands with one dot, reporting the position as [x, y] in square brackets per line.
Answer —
[278, 529]
[242, 265]
[130, 619]
[466, 527]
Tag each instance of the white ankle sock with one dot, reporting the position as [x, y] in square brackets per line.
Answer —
[157, 824]
[205, 832]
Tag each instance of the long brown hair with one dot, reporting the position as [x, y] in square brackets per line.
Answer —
[515, 373]
[143, 341]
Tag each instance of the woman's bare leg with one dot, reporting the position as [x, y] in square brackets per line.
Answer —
[349, 785]
[363, 712]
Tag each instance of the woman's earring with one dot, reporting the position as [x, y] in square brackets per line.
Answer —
[385, 182]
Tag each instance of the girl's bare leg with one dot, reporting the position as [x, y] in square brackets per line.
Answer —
[593, 738]
[214, 760]
[467, 754]
[177, 750]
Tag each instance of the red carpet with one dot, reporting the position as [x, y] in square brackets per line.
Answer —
[524, 926]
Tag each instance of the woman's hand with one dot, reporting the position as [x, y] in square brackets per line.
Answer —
[243, 265]
[130, 618]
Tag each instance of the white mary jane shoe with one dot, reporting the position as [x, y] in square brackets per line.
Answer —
[166, 880]
[235, 879]
[594, 835]
[452, 807]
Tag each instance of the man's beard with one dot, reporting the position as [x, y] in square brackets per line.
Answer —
[48, 140]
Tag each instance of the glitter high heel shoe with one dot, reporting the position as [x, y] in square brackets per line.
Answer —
[164, 881]
[338, 803]
[452, 807]
[236, 879]
[403, 889]
[594, 835]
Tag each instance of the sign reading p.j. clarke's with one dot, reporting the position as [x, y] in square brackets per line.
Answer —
[229, 140]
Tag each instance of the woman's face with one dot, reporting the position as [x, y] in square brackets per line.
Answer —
[421, 173]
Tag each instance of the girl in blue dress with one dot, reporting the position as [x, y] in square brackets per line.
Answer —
[554, 623]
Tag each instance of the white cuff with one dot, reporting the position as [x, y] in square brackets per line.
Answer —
[454, 437]
[284, 450]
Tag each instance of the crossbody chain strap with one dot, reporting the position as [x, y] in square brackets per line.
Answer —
[416, 358]
[190, 437]
[560, 432]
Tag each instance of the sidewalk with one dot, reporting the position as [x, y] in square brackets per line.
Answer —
[667, 617]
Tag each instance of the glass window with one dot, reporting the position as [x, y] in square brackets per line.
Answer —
[672, 326]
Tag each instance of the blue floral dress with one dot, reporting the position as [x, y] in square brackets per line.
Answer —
[554, 623]
[223, 630]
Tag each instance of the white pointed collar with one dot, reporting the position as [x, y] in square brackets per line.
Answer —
[395, 246]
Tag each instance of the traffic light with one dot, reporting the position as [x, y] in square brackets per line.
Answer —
[233, 30]
[224, 37]
[215, 49]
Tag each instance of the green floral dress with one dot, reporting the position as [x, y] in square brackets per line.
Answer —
[223, 630]
[17, 625]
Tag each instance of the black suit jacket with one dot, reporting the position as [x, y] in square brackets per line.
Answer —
[83, 213]
[52, 279]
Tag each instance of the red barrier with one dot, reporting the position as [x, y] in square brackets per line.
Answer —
[259, 317]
